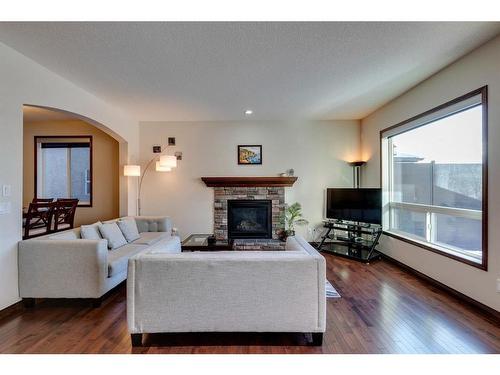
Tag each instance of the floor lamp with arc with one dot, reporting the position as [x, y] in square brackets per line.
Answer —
[164, 163]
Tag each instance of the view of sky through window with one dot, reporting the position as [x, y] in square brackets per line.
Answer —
[455, 139]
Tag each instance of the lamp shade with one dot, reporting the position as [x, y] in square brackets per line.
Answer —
[358, 163]
[159, 168]
[132, 170]
[169, 161]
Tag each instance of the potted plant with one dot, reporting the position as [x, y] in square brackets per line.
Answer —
[291, 216]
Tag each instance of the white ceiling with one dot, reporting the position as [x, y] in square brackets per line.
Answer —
[214, 71]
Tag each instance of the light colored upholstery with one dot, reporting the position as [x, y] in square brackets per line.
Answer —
[150, 238]
[128, 226]
[112, 233]
[154, 224]
[63, 265]
[67, 235]
[228, 291]
[292, 244]
[90, 232]
[62, 268]
[118, 259]
[169, 244]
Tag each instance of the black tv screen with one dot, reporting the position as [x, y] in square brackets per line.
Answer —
[363, 205]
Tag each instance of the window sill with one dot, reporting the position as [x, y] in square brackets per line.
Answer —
[483, 266]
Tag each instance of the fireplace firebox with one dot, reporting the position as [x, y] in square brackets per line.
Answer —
[249, 218]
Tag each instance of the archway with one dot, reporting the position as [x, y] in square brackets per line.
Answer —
[100, 181]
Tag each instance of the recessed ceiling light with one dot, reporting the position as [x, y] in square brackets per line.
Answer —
[248, 112]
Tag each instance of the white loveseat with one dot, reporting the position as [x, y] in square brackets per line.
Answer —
[228, 291]
[63, 265]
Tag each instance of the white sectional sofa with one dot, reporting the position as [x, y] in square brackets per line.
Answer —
[228, 291]
[63, 265]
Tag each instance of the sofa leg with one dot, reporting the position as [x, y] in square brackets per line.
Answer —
[29, 302]
[136, 339]
[317, 339]
[96, 302]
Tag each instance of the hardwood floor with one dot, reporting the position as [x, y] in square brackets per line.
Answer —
[383, 309]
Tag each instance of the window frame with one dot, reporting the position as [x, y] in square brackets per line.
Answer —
[385, 180]
[35, 166]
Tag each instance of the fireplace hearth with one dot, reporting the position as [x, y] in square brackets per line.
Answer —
[249, 218]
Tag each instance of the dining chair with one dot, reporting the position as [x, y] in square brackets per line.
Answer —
[42, 200]
[38, 219]
[64, 214]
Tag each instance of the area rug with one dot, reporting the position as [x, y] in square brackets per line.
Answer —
[331, 292]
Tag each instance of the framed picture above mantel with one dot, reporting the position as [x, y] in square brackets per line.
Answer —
[249, 154]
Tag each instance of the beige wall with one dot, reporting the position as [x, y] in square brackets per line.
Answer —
[105, 167]
[481, 67]
[318, 152]
[26, 82]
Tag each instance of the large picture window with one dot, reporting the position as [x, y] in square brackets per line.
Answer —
[434, 179]
[63, 168]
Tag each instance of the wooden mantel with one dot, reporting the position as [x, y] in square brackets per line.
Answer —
[249, 181]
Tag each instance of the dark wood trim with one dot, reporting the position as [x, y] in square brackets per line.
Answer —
[312, 339]
[136, 339]
[249, 181]
[14, 308]
[29, 302]
[484, 100]
[490, 312]
[91, 150]
[317, 339]
[483, 91]
[97, 302]
[238, 154]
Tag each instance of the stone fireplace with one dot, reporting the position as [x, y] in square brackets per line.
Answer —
[248, 208]
[226, 204]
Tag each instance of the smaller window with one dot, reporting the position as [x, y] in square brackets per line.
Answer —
[63, 168]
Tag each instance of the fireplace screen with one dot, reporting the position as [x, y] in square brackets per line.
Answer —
[249, 218]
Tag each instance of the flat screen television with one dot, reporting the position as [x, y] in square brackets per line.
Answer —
[363, 205]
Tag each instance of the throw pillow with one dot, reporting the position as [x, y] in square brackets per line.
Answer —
[129, 229]
[90, 232]
[113, 234]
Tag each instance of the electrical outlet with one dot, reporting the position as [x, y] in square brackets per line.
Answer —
[498, 285]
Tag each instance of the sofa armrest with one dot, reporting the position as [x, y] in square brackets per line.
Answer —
[62, 268]
[153, 223]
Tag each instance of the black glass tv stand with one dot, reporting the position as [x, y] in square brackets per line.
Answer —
[357, 240]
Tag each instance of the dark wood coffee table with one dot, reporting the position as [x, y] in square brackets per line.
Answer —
[198, 242]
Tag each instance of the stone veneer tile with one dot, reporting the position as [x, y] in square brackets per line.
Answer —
[222, 194]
